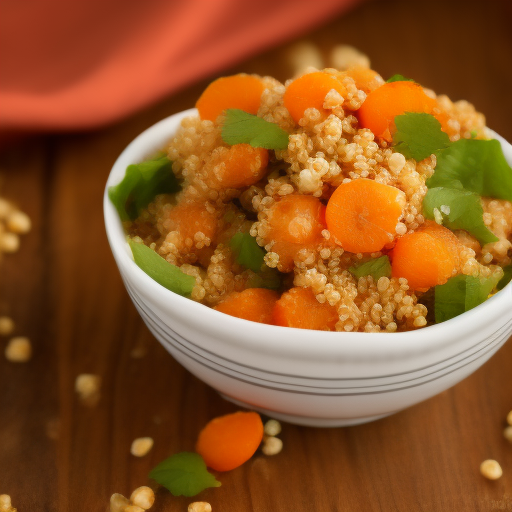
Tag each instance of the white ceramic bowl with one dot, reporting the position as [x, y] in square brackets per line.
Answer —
[305, 377]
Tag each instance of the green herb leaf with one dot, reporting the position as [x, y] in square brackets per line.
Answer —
[267, 278]
[399, 78]
[418, 135]
[184, 474]
[240, 127]
[376, 267]
[466, 212]
[462, 293]
[507, 277]
[475, 165]
[141, 183]
[247, 251]
[156, 267]
[250, 255]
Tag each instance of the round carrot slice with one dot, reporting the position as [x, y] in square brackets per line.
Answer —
[427, 257]
[299, 308]
[241, 166]
[255, 304]
[309, 91]
[296, 222]
[389, 100]
[362, 214]
[238, 91]
[188, 219]
[297, 219]
[228, 441]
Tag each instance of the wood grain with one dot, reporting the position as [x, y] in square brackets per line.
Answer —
[65, 293]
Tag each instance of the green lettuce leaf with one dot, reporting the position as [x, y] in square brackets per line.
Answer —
[243, 128]
[376, 267]
[250, 255]
[399, 78]
[156, 267]
[184, 474]
[462, 293]
[466, 212]
[418, 135]
[141, 183]
[475, 165]
[507, 277]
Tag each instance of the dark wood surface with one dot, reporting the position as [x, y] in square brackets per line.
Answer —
[64, 292]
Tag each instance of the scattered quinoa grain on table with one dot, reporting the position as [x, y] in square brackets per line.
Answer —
[18, 350]
[345, 219]
[272, 428]
[271, 445]
[491, 469]
[88, 387]
[141, 446]
[143, 497]
[199, 506]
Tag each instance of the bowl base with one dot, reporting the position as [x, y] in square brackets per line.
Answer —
[306, 421]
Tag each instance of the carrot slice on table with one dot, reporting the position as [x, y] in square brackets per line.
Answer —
[241, 166]
[309, 91]
[392, 99]
[366, 79]
[299, 308]
[255, 304]
[296, 221]
[427, 257]
[228, 441]
[236, 91]
[362, 214]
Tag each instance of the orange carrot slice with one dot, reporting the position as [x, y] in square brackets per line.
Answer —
[255, 304]
[189, 219]
[362, 214]
[237, 91]
[299, 308]
[242, 166]
[309, 91]
[228, 441]
[392, 99]
[296, 221]
[366, 79]
[427, 257]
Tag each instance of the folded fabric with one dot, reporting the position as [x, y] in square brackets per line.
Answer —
[81, 64]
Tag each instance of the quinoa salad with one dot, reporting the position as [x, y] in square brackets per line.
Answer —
[335, 201]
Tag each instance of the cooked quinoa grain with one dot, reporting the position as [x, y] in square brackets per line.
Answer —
[491, 469]
[338, 169]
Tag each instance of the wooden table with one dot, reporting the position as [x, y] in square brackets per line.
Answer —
[65, 293]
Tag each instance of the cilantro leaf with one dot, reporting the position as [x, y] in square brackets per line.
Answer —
[141, 183]
[247, 251]
[184, 474]
[156, 267]
[240, 127]
[507, 277]
[418, 135]
[465, 211]
[399, 78]
[376, 267]
[462, 293]
[250, 255]
[475, 165]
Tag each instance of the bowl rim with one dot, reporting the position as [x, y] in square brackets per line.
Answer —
[262, 336]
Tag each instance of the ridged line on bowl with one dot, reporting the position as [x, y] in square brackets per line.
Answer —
[184, 346]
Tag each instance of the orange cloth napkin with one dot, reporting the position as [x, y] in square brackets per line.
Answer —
[84, 63]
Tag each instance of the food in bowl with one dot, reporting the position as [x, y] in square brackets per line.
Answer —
[334, 202]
